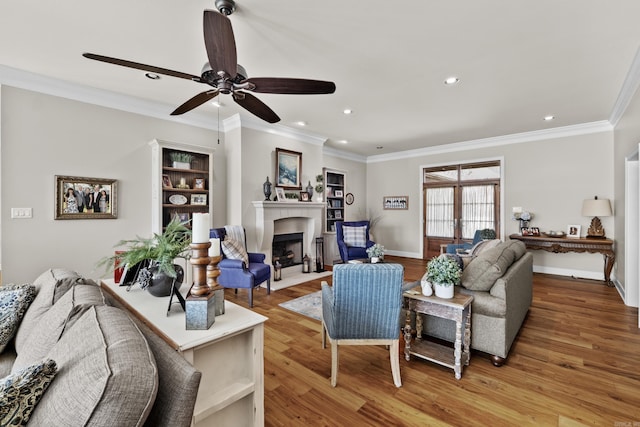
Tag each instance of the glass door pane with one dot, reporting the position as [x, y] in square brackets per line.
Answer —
[440, 212]
[478, 209]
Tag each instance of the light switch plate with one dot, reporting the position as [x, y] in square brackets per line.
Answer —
[21, 213]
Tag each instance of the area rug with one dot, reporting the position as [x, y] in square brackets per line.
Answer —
[309, 305]
[294, 276]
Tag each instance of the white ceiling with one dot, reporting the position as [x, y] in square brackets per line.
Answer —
[517, 61]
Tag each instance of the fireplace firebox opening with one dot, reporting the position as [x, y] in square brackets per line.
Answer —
[287, 249]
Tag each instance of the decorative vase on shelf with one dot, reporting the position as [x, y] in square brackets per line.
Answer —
[375, 259]
[181, 165]
[443, 291]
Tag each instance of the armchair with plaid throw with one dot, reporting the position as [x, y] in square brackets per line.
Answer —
[353, 239]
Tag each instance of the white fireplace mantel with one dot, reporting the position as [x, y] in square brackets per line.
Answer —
[269, 212]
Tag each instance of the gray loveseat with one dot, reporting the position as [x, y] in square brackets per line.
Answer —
[501, 282]
[112, 369]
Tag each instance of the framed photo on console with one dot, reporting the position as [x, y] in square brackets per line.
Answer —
[573, 231]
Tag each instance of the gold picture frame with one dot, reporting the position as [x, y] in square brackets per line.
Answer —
[80, 197]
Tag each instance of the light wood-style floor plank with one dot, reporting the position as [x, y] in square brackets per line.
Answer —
[574, 363]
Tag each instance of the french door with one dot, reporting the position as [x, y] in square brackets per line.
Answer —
[458, 200]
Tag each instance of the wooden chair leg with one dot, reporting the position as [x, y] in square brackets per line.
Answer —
[324, 335]
[395, 362]
[250, 297]
[268, 286]
[334, 364]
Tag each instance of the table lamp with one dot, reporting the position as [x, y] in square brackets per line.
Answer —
[596, 207]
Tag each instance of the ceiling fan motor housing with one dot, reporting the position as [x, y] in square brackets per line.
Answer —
[226, 7]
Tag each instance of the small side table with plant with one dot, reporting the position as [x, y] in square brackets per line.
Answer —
[444, 273]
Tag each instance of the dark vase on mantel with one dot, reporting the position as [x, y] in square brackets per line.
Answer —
[310, 190]
[266, 189]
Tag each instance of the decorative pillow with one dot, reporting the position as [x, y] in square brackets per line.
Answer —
[483, 245]
[233, 249]
[14, 301]
[486, 268]
[107, 374]
[51, 286]
[20, 392]
[53, 323]
[354, 236]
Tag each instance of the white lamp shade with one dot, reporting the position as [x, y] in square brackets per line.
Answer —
[596, 207]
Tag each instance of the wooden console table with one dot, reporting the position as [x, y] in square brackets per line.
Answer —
[565, 244]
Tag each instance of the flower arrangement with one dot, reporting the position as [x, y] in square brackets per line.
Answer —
[522, 216]
[444, 271]
[376, 250]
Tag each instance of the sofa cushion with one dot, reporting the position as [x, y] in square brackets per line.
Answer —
[482, 246]
[20, 392]
[52, 324]
[14, 301]
[486, 268]
[518, 247]
[355, 236]
[50, 286]
[107, 374]
[486, 304]
[233, 249]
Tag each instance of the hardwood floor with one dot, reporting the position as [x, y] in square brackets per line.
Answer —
[575, 362]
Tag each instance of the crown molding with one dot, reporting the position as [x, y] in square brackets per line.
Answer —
[38, 83]
[328, 151]
[251, 122]
[628, 90]
[516, 138]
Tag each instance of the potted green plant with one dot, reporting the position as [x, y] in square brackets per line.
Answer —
[181, 160]
[444, 273]
[157, 255]
[375, 252]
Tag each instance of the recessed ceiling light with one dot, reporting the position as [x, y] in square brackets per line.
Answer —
[217, 104]
[301, 123]
[548, 118]
[342, 141]
[347, 111]
[451, 80]
[152, 76]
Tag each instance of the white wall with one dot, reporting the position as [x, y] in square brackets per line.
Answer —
[43, 136]
[549, 178]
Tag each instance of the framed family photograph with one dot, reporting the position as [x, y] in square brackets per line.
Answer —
[573, 231]
[288, 169]
[304, 196]
[199, 184]
[85, 198]
[198, 199]
[166, 181]
[280, 194]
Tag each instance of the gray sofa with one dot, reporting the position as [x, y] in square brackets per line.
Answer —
[501, 282]
[112, 369]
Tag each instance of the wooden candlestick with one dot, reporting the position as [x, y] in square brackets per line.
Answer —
[199, 260]
[213, 272]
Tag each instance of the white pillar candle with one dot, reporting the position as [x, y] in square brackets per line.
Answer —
[214, 250]
[200, 228]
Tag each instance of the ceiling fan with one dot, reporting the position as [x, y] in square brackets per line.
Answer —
[225, 75]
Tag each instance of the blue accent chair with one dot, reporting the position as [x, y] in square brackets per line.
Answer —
[478, 236]
[362, 308]
[234, 274]
[352, 252]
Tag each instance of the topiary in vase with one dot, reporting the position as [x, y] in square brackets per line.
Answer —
[444, 272]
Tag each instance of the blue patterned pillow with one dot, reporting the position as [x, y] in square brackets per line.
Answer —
[20, 392]
[355, 236]
[14, 301]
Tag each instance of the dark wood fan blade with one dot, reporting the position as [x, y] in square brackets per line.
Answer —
[291, 86]
[142, 67]
[255, 106]
[196, 101]
[220, 43]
